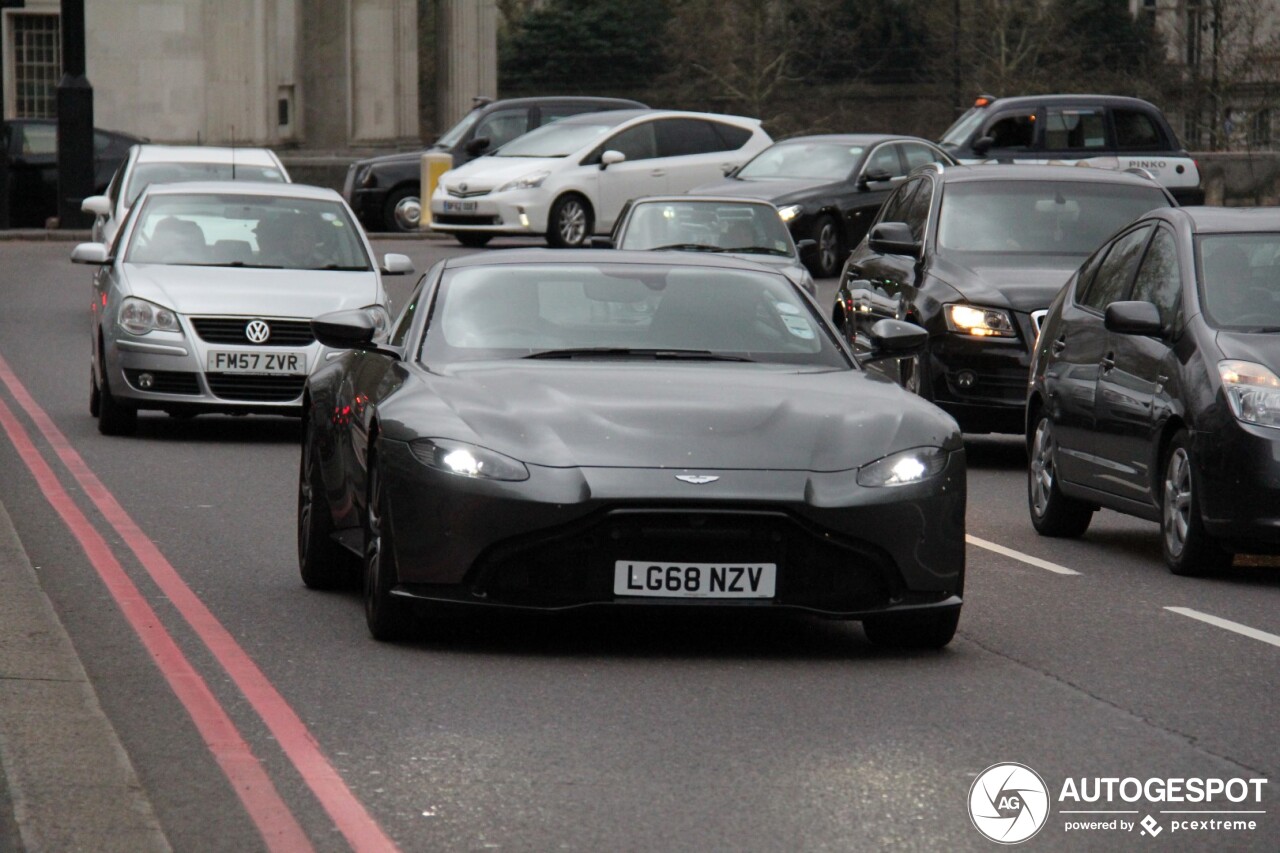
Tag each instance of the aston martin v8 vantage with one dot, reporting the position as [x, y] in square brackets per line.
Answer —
[550, 430]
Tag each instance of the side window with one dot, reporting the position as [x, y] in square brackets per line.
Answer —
[920, 155]
[917, 212]
[683, 136]
[895, 209]
[1016, 131]
[638, 142]
[1136, 131]
[1075, 129]
[1159, 280]
[885, 161]
[502, 126]
[732, 136]
[400, 331]
[1117, 269]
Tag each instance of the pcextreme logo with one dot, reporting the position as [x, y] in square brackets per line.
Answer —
[1008, 803]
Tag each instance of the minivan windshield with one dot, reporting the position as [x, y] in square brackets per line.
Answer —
[1240, 280]
[556, 140]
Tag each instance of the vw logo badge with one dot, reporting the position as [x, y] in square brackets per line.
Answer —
[257, 331]
[696, 479]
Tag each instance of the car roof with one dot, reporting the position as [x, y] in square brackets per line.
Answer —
[205, 154]
[1000, 172]
[1071, 100]
[595, 257]
[703, 199]
[1221, 220]
[619, 116]
[855, 138]
[559, 99]
[262, 188]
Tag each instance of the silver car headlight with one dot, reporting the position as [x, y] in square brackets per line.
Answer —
[138, 317]
[467, 460]
[903, 468]
[979, 322]
[1253, 392]
[380, 318]
[526, 182]
[790, 212]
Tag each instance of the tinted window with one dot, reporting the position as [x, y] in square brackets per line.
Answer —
[884, 160]
[920, 155]
[638, 143]
[1117, 270]
[1159, 281]
[1240, 280]
[895, 209]
[39, 139]
[1136, 131]
[681, 136]
[1074, 129]
[732, 136]
[400, 332]
[828, 161]
[917, 209]
[1013, 130]
[502, 126]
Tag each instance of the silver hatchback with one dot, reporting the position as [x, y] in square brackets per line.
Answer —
[204, 301]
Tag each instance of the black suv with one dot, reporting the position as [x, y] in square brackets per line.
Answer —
[975, 254]
[384, 191]
[1096, 130]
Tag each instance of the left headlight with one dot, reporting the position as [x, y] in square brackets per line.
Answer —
[525, 182]
[790, 212]
[1253, 392]
[903, 468]
[138, 317]
[380, 318]
[979, 322]
[467, 460]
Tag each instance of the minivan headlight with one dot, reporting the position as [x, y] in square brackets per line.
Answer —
[904, 467]
[467, 460]
[138, 317]
[1253, 392]
[525, 182]
[979, 322]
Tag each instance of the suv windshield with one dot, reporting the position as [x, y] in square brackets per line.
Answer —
[828, 161]
[555, 140]
[459, 130]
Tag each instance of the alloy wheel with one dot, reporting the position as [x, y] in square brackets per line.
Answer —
[1042, 468]
[828, 247]
[572, 223]
[1177, 501]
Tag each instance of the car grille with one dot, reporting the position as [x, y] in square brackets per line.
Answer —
[576, 565]
[230, 330]
[165, 381]
[457, 193]
[455, 219]
[255, 389]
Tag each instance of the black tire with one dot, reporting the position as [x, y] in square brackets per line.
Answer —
[114, 417]
[571, 221]
[95, 398]
[473, 241]
[827, 257]
[925, 630]
[1188, 550]
[915, 376]
[1052, 512]
[386, 615]
[393, 222]
[322, 562]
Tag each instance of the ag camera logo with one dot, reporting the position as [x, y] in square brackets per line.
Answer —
[1008, 803]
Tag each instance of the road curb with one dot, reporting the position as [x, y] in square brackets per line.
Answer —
[69, 782]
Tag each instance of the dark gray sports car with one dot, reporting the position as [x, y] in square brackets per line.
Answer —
[552, 429]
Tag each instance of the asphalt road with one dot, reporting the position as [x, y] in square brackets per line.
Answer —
[599, 731]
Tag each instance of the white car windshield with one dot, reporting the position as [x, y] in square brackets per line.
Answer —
[706, 226]
[208, 229]
[145, 174]
[555, 140]
[807, 160]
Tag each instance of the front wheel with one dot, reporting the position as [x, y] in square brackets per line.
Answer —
[827, 256]
[569, 225]
[114, 417]
[322, 562]
[386, 615]
[1188, 549]
[403, 210]
[1052, 512]
[927, 630]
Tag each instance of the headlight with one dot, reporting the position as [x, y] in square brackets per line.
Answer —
[138, 316]
[979, 322]
[1253, 392]
[900, 469]
[380, 318]
[790, 212]
[528, 182]
[467, 460]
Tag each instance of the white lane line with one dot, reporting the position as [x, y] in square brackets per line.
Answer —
[1245, 630]
[1018, 555]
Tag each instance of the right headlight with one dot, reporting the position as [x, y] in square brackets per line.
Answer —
[904, 467]
[1253, 392]
[526, 182]
[467, 460]
[138, 316]
[978, 321]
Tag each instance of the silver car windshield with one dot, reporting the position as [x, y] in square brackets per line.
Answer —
[1240, 280]
[145, 174]
[207, 229]
[624, 311]
[819, 161]
[1039, 217]
[555, 140]
[707, 227]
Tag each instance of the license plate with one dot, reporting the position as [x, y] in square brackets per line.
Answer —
[222, 361]
[459, 206]
[694, 580]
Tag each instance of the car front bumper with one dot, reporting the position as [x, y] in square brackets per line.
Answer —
[982, 383]
[512, 213]
[1240, 494]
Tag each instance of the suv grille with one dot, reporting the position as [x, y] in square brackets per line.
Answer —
[230, 330]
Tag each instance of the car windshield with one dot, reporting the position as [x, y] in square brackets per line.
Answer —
[216, 229]
[1038, 217]
[826, 161]
[624, 311]
[458, 131]
[706, 226]
[958, 134]
[144, 174]
[555, 140]
[1240, 280]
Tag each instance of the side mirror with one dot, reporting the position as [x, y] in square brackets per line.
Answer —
[477, 145]
[598, 242]
[90, 253]
[1133, 318]
[896, 339]
[350, 329]
[610, 157]
[394, 264]
[806, 244]
[893, 238]
[874, 176]
[983, 144]
[98, 205]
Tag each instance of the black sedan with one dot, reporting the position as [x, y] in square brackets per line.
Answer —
[1156, 387]
[828, 188]
[547, 429]
[975, 254]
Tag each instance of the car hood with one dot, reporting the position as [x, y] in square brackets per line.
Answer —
[664, 415]
[405, 157]
[268, 293]
[487, 173]
[1259, 347]
[779, 192]
[1021, 282]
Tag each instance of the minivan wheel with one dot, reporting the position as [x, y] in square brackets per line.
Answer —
[1188, 549]
[570, 223]
[1052, 512]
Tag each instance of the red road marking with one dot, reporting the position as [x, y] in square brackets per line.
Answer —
[275, 822]
[347, 812]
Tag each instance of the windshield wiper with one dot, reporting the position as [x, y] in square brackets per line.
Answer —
[339, 268]
[687, 247]
[756, 250]
[629, 352]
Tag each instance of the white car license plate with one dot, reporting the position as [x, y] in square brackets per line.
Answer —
[223, 361]
[459, 206]
[694, 580]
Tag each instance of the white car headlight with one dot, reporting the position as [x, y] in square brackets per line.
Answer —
[790, 212]
[467, 460]
[903, 468]
[138, 317]
[526, 182]
[979, 322]
[1253, 392]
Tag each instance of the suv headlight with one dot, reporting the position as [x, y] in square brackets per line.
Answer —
[1253, 392]
[138, 317]
[527, 182]
[979, 322]
[467, 460]
[903, 468]
[790, 212]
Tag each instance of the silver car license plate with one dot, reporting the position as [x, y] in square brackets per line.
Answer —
[694, 580]
[278, 363]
